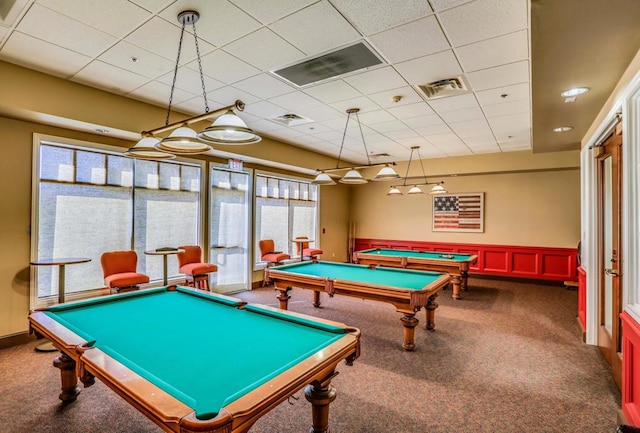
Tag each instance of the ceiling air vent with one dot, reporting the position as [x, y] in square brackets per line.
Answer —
[291, 119]
[443, 88]
[330, 65]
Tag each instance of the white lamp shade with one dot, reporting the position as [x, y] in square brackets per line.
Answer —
[323, 179]
[438, 189]
[229, 129]
[386, 173]
[415, 190]
[353, 177]
[394, 190]
[183, 140]
[145, 149]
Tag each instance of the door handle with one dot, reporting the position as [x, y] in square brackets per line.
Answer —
[611, 272]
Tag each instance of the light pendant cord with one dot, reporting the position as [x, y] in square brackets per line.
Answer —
[344, 134]
[204, 91]
[422, 165]
[362, 136]
[175, 73]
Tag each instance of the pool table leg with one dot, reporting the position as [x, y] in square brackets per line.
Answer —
[320, 394]
[283, 297]
[456, 281]
[409, 322]
[70, 387]
[430, 312]
[464, 277]
[316, 299]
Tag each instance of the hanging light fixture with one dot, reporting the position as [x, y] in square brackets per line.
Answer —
[353, 176]
[227, 128]
[415, 188]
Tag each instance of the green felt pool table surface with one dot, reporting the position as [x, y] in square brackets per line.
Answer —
[204, 350]
[446, 256]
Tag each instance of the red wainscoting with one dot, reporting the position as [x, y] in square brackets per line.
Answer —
[630, 369]
[582, 299]
[545, 263]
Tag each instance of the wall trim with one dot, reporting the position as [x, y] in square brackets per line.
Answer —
[531, 262]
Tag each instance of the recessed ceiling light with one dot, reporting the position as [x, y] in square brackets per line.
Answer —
[563, 129]
[575, 91]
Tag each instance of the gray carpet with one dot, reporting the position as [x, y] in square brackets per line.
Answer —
[506, 358]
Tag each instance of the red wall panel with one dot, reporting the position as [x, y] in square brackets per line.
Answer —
[545, 263]
[630, 369]
[582, 298]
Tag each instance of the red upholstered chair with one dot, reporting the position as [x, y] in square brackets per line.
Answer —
[311, 253]
[267, 254]
[119, 269]
[196, 271]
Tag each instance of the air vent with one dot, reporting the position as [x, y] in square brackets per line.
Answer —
[331, 65]
[291, 119]
[443, 88]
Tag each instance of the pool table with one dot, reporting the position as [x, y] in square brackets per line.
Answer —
[407, 290]
[193, 361]
[455, 264]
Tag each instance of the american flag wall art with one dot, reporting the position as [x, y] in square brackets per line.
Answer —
[458, 212]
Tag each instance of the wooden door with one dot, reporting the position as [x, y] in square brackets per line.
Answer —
[610, 281]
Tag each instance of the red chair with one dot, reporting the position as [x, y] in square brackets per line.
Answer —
[305, 251]
[119, 269]
[269, 255]
[196, 271]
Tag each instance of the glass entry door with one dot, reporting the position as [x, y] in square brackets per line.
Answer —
[229, 229]
[610, 282]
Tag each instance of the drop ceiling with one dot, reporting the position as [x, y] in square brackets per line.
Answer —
[501, 49]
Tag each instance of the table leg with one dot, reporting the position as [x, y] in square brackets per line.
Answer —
[316, 299]
[164, 270]
[70, 387]
[455, 283]
[320, 395]
[61, 277]
[464, 276]
[283, 297]
[409, 322]
[430, 312]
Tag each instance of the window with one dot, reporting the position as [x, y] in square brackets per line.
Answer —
[285, 209]
[89, 200]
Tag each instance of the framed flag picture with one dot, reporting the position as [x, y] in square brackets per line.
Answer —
[458, 212]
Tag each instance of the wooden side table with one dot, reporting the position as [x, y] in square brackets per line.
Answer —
[164, 254]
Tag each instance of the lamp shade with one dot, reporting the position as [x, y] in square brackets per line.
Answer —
[415, 189]
[183, 140]
[386, 173]
[394, 190]
[229, 129]
[438, 189]
[353, 177]
[145, 149]
[323, 179]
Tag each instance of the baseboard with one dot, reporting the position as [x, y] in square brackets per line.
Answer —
[15, 340]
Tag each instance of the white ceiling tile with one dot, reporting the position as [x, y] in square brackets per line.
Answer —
[385, 99]
[263, 125]
[457, 151]
[501, 50]
[376, 80]
[319, 113]
[330, 136]
[267, 12]
[220, 21]
[422, 121]
[409, 41]
[316, 29]
[510, 124]
[45, 24]
[163, 38]
[225, 67]
[484, 19]
[8, 17]
[229, 94]
[430, 68]
[482, 142]
[392, 125]
[462, 115]
[402, 133]
[332, 91]
[404, 112]
[500, 95]
[471, 128]
[43, 56]
[116, 17]
[426, 131]
[499, 76]
[264, 49]
[312, 128]
[453, 103]
[294, 100]
[373, 117]
[264, 109]
[158, 93]
[363, 103]
[190, 80]
[439, 5]
[4, 31]
[110, 78]
[193, 106]
[264, 86]
[445, 139]
[153, 5]
[373, 18]
[519, 106]
[146, 64]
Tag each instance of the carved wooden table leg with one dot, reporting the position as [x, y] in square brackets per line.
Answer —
[455, 282]
[464, 276]
[320, 395]
[409, 322]
[70, 387]
[316, 299]
[283, 297]
[430, 312]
